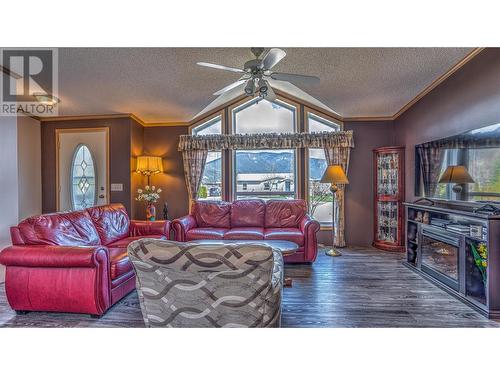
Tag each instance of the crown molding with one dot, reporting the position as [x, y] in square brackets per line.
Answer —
[85, 117]
[405, 108]
[109, 116]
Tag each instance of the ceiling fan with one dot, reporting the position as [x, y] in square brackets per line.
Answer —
[257, 73]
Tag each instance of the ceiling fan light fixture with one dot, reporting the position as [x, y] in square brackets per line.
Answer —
[250, 87]
[263, 87]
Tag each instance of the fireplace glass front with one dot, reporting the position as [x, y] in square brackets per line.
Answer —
[440, 255]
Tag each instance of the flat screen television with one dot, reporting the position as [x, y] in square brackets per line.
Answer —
[477, 150]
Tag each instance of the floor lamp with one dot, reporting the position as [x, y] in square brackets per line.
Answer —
[334, 175]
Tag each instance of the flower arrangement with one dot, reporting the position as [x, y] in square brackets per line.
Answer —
[150, 194]
[481, 259]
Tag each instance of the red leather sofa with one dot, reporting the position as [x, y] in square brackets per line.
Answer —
[74, 261]
[252, 219]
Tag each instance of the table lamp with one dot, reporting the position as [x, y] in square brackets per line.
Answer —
[149, 165]
[456, 174]
[334, 175]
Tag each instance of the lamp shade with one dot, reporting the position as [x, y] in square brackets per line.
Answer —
[456, 174]
[148, 165]
[334, 174]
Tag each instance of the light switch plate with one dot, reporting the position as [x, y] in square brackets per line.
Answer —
[116, 187]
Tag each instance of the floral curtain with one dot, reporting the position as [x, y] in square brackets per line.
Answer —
[217, 142]
[431, 157]
[194, 164]
[338, 156]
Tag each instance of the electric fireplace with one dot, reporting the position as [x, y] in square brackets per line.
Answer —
[457, 247]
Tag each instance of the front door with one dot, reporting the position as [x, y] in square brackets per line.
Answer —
[82, 168]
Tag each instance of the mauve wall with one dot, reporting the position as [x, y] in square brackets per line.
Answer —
[119, 158]
[469, 99]
[359, 193]
[163, 141]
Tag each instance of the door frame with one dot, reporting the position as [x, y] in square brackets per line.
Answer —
[60, 131]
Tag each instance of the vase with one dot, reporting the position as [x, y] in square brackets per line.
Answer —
[151, 212]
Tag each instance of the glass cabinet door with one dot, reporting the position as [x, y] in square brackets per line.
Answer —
[387, 213]
[387, 174]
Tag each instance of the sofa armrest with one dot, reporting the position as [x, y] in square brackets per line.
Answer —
[309, 228]
[308, 224]
[182, 225]
[146, 227]
[54, 256]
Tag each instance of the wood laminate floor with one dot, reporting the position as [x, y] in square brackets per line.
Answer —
[362, 288]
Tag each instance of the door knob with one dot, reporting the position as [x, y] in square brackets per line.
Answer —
[101, 196]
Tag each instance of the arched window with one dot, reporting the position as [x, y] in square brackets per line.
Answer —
[83, 178]
[264, 173]
[261, 116]
[320, 198]
[211, 181]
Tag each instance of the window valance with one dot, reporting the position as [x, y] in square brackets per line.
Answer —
[216, 142]
[464, 141]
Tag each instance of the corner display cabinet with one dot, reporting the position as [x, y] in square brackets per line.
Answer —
[389, 172]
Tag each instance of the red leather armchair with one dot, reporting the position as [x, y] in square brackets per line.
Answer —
[252, 219]
[74, 261]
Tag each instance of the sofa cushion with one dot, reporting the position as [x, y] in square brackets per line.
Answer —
[248, 213]
[111, 221]
[212, 214]
[244, 233]
[64, 229]
[206, 233]
[285, 234]
[125, 241]
[119, 262]
[285, 213]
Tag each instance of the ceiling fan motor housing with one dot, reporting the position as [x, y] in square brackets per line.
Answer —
[252, 66]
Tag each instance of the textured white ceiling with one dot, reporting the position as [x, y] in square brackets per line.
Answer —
[166, 85]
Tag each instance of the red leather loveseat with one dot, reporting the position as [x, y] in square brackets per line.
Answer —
[252, 219]
[74, 261]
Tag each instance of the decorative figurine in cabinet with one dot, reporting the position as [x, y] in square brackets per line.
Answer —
[389, 172]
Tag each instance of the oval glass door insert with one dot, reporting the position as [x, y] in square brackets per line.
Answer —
[83, 179]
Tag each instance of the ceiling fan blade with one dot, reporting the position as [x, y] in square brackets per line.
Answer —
[273, 57]
[270, 96]
[295, 78]
[222, 67]
[230, 87]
